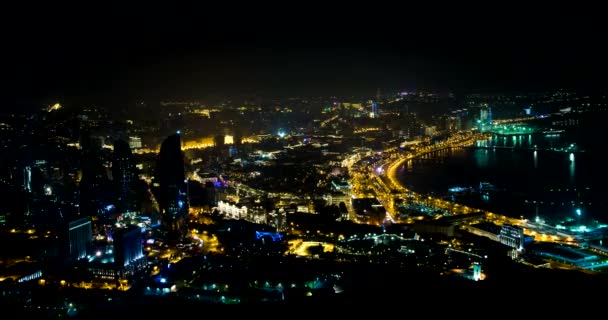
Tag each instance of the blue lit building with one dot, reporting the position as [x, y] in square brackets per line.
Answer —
[128, 247]
[80, 234]
[374, 113]
[485, 118]
[121, 259]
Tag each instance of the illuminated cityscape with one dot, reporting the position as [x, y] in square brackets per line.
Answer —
[253, 179]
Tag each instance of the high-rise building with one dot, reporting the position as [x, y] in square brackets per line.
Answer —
[95, 195]
[485, 117]
[464, 119]
[80, 233]
[27, 179]
[489, 119]
[374, 113]
[483, 113]
[128, 247]
[124, 175]
[120, 259]
[409, 124]
[172, 192]
[211, 196]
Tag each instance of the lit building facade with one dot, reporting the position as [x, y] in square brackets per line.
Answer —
[135, 143]
[232, 210]
[80, 233]
[374, 113]
[121, 258]
[512, 236]
[128, 248]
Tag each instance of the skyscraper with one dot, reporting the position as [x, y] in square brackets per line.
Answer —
[27, 179]
[125, 177]
[409, 124]
[374, 113]
[80, 233]
[94, 192]
[485, 117]
[128, 246]
[485, 114]
[172, 192]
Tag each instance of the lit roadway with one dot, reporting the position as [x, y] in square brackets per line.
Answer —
[395, 188]
[382, 179]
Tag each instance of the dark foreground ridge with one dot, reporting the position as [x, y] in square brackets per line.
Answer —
[374, 292]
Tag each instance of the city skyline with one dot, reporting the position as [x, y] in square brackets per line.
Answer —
[304, 157]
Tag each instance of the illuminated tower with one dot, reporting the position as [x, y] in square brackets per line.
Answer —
[489, 115]
[27, 179]
[484, 114]
[476, 271]
[374, 109]
[80, 233]
[125, 177]
[485, 117]
[172, 194]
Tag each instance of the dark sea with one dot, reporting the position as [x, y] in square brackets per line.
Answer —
[517, 180]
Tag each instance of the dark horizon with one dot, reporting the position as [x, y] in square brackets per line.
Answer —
[171, 59]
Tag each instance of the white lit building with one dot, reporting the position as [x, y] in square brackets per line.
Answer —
[135, 142]
[232, 210]
[512, 236]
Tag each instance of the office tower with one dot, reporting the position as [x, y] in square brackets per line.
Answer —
[485, 114]
[409, 124]
[124, 176]
[374, 113]
[27, 179]
[80, 233]
[128, 247]
[485, 118]
[94, 192]
[489, 115]
[211, 196]
[172, 193]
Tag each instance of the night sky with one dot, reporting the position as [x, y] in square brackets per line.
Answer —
[99, 57]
